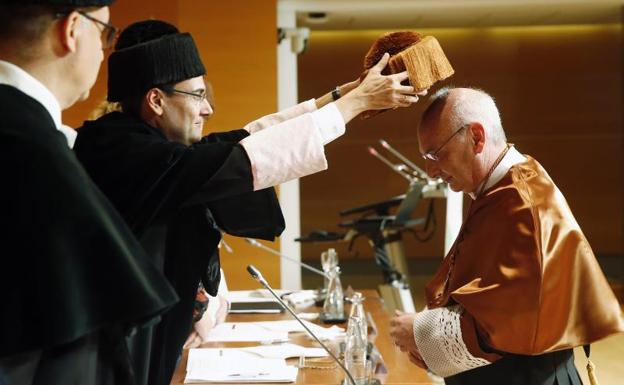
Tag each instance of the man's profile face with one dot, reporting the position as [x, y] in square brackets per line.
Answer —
[455, 160]
[184, 111]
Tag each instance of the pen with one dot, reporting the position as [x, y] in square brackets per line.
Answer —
[247, 374]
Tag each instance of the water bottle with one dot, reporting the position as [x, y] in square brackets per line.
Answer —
[329, 260]
[333, 307]
[355, 351]
[357, 312]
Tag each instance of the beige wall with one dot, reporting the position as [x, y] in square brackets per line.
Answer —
[237, 41]
[559, 90]
[239, 48]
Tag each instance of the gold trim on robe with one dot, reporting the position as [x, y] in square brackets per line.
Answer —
[524, 272]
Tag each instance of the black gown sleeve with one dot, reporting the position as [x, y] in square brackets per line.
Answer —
[149, 178]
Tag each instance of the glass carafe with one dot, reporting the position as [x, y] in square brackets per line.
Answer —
[333, 307]
[355, 351]
[329, 260]
[357, 313]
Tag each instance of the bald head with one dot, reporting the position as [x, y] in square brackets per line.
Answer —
[461, 136]
[452, 108]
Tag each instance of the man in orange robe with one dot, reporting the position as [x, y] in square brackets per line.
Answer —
[521, 286]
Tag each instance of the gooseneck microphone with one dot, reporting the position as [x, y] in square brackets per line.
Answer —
[259, 245]
[417, 170]
[258, 277]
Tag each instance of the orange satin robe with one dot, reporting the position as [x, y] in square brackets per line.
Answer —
[524, 272]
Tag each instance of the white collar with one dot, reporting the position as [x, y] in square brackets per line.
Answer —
[510, 159]
[14, 76]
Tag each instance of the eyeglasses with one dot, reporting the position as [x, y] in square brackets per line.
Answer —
[433, 155]
[109, 31]
[197, 97]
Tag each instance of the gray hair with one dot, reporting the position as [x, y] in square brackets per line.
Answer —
[467, 105]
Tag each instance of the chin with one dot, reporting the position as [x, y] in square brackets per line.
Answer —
[196, 137]
[84, 96]
[454, 187]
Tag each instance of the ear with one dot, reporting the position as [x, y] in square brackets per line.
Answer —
[477, 135]
[154, 99]
[69, 31]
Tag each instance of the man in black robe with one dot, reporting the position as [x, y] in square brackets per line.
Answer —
[177, 189]
[73, 279]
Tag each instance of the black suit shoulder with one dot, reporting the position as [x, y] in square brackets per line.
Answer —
[68, 260]
[23, 116]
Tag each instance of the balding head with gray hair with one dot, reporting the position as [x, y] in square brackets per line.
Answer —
[458, 107]
[461, 136]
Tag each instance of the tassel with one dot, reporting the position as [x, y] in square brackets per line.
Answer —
[590, 373]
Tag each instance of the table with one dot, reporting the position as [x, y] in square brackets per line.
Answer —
[400, 369]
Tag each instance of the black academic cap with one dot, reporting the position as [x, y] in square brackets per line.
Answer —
[151, 53]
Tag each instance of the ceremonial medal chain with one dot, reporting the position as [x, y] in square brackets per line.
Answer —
[460, 236]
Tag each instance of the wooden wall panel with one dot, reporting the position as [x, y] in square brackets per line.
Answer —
[559, 90]
[237, 41]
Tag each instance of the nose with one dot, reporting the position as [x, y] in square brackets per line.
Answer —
[206, 109]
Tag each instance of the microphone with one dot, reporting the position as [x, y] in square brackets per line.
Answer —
[401, 169]
[255, 274]
[259, 245]
[417, 170]
[258, 277]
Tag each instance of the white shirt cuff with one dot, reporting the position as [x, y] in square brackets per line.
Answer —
[329, 122]
[310, 105]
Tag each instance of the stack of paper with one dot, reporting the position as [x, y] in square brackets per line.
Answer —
[284, 351]
[268, 331]
[252, 295]
[235, 365]
[294, 326]
[301, 299]
[245, 332]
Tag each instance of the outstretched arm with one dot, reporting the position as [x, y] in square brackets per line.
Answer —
[295, 148]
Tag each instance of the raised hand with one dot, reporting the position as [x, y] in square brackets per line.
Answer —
[377, 92]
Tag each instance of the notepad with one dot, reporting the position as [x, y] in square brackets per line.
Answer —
[294, 326]
[245, 332]
[284, 351]
[268, 331]
[235, 365]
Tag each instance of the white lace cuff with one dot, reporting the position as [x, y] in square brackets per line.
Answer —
[438, 336]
